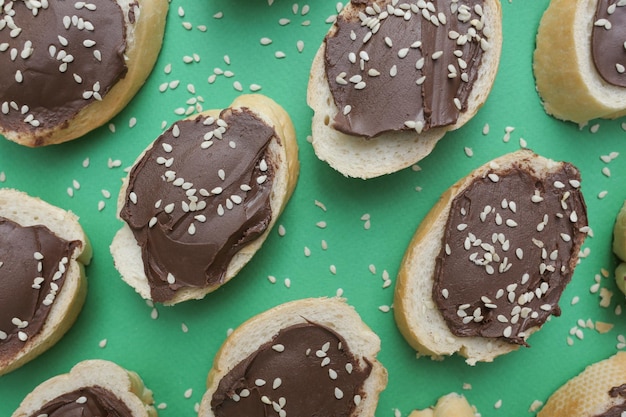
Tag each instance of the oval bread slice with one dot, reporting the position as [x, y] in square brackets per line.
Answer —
[567, 81]
[125, 385]
[417, 317]
[284, 156]
[29, 211]
[364, 158]
[333, 313]
[144, 37]
[587, 394]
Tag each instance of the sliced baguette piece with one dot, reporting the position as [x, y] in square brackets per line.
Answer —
[332, 313]
[587, 394]
[450, 405]
[122, 385]
[567, 81]
[144, 29]
[416, 314]
[360, 157]
[283, 150]
[31, 211]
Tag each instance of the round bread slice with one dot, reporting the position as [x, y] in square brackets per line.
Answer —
[595, 391]
[567, 79]
[90, 386]
[417, 314]
[450, 405]
[281, 158]
[390, 151]
[75, 73]
[261, 335]
[18, 344]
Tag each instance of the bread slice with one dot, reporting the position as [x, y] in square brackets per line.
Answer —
[587, 394]
[566, 77]
[144, 29]
[416, 314]
[123, 385]
[450, 405]
[361, 157]
[27, 211]
[331, 313]
[283, 151]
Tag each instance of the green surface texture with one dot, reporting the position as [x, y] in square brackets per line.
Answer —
[172, 348]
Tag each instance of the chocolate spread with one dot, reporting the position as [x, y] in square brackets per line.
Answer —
[91, 401]
[199, 195]
[306, 370]
[408, 66]
[510, 246]
[56, 59]
[33, 263]
[608, 41]
[618, 409]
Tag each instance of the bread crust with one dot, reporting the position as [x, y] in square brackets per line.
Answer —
[364, 158]
[28, 211]
[587, 394]
[144, 39]
[566, 78]
[284, 150]
[126, 385]
[450, 405]
[333, 313]
[415, 312]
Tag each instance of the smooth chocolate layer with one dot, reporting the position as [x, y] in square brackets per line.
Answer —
[412, 66]
[92, 401]
[199, 195]
[33, 264]
[306, 370]
[509, 249]
[608, 42]
[57, 59]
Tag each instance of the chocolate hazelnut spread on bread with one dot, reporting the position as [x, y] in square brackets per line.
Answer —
[199, 195]
[56, 57]
[401, 66]
[33, 263]
[608, 41]
[509, 248]
[306, 370]
[86, 402]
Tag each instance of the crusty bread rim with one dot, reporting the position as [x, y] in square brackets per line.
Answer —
[333, 313]
[567, 81]
[359, 157]
[28, 211]
[587, 394]
[416, 315]
[284, 157]
[449, 405]
[143, 44]
[127, 386]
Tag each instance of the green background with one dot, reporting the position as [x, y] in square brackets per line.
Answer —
[171, 360]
